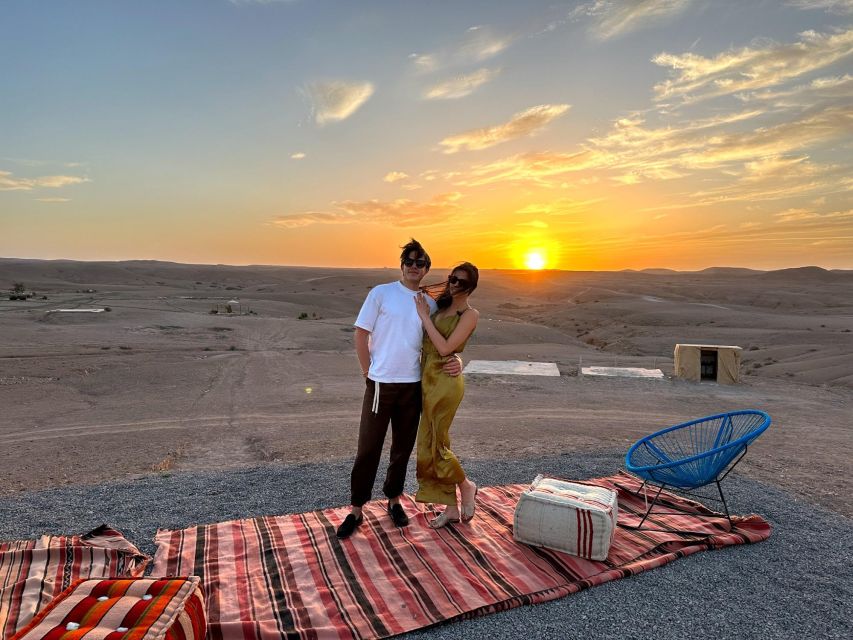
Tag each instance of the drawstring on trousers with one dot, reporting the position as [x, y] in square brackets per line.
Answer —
[376, 399]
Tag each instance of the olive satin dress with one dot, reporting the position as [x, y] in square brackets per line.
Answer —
[438, 470]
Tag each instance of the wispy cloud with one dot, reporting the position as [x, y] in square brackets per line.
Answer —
[395, 176]
[825, 89]
[8, 182]
[536, 224]
[640, 152]
[424, 62]
[478, 44]
[53, 199]
[832, 6]
[521, 124]
[537, 167]
[777, 178]
[796, 215]
[337, 100]
[460, 86]
[612, 18]
[696, 77]
[297, 156]
[398, 213]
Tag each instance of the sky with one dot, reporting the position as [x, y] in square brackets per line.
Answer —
[596, 135]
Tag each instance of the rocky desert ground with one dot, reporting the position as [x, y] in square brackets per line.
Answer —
[157, 383]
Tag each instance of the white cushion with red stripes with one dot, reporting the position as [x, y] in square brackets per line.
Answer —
[574, 518]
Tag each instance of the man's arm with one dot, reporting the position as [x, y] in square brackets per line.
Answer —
[362, 349]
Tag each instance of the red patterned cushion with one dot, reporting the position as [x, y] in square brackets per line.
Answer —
[33, 572]
[130, 609]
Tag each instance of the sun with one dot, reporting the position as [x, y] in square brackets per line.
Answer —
[534, 260]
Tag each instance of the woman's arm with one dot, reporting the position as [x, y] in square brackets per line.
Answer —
[463, 330]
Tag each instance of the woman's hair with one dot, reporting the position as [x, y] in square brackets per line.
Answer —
[440, 292]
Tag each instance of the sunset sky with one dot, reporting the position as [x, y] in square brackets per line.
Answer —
[514, 134]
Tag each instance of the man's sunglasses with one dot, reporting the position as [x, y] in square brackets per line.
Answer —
[420, 263]
[462, 282]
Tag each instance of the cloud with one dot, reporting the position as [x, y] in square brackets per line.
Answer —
[424, 63]
[297, 156]
[521, 124]
[395, 176]
[826, 89]
[640, 152]
[461, 85]
[337, 100]
[832, 6]
[481, 44]
[536, 224]
[397, 213]
[613, 18]
[777, 178]
[810, 130]
[477, 45]
[8, 182]
[797, 215]
[53, 199]
[537, 167]
[696, 77]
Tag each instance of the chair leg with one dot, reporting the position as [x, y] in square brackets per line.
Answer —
[725, 506]
[656, 501]
[649, 507]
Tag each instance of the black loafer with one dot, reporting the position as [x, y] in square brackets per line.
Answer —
[349, 525]
[398, 515]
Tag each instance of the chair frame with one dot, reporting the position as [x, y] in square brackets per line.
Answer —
[647, 472]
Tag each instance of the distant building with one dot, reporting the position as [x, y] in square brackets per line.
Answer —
[708, 362]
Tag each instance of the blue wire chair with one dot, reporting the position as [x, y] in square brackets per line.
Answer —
[694, 454]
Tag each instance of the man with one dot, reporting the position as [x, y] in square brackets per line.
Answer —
[388, 337]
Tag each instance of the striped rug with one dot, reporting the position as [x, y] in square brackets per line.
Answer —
[289, 576]
[33, 572]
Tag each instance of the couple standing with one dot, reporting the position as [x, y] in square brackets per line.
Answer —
[406, 344]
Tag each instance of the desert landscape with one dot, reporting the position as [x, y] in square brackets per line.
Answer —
[166, 380]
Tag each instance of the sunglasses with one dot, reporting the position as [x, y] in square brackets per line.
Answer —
[419, 263]
[462, 282]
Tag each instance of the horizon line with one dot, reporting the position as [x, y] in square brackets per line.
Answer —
[546, 270]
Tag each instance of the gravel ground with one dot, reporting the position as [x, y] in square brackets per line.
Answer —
[797, 584]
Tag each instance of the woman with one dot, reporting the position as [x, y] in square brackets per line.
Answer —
[439, 472]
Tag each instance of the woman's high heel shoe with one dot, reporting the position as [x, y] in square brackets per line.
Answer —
[442, 521]
[468, 509]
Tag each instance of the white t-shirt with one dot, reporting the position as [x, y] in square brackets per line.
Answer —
[396, 332]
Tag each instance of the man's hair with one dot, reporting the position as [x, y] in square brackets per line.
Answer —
[414, 245]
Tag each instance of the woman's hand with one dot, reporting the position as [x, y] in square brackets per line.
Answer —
[422, 307]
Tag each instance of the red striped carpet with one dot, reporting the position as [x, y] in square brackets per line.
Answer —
[289, 576]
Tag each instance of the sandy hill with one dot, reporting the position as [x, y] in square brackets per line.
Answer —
[802, 274]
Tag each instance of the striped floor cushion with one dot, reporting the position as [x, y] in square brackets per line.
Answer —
[128, 608]
[566, 516]
[33, 572]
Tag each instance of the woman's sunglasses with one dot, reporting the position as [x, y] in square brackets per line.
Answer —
[420, 263]
[462, 282]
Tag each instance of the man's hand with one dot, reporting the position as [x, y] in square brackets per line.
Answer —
[453, 365]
